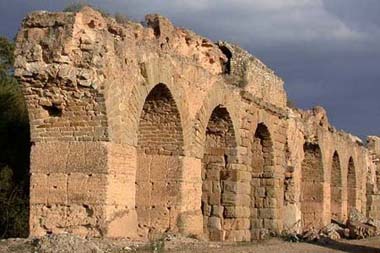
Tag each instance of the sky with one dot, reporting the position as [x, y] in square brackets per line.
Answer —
[326, 51]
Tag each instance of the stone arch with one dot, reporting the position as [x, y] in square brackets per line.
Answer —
[216, 96]
[217, 185]
[133, 104]
[336, 187]
[160, 151]
[262, 150]
[312, 178]
[262, 194]
[351, 185]
[289, 180]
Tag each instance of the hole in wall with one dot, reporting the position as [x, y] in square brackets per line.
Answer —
[53, 110]
[91, 24]
[227, 65]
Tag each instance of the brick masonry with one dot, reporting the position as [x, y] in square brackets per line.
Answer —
[141, 130]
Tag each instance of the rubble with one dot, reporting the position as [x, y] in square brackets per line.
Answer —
[360, 226]
[356, 227]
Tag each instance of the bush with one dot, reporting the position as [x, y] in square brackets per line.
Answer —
[75, 7]
[14, 150]
[122, 18]
[14, 206]
[291, 104]
[78, 6]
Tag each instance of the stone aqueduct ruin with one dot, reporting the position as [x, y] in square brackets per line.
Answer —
[138, 130]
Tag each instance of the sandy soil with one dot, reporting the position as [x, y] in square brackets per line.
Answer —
[73, 244]
[277, 246]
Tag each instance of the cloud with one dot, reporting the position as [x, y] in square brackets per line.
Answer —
[261, 19]
[327, 51]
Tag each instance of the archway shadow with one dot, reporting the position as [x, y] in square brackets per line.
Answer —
[346, 247]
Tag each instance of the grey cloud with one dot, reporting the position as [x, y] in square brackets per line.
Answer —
[360, 15]
[327, 51]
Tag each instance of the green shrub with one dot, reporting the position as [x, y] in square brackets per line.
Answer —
[78, 6]
[14, 206]
[121, 18]
[75, 7]
[14, 150]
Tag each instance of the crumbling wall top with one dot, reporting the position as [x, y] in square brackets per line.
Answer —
[66, 62]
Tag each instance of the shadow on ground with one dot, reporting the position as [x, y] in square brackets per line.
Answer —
[346, 247]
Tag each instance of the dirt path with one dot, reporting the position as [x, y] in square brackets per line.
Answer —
[277, 246]
[71, 245]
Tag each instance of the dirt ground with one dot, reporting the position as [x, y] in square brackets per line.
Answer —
[71, 244]
[278, 246]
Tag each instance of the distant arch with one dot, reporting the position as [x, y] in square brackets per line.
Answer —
[262, 150]
[312, 186]
[219, 154]
[336, 187]
[351, 185]
[261, 162]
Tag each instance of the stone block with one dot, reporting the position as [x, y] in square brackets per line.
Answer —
[160, 218]
[244, 188]
[121, 191]
[57, 188]
[230, 186]
[191, 169]
[238, 236]
[122, 222]
[216, 235]
[122, 159]
[271, 224]
[237, 224]
[240, 176]
[143, 194]
[214, 198]
[217, 211]
[215, 223]
[267, 213]
[236, 212]
[87, 188]
[257, 223]
[38, 188]
[270, 203]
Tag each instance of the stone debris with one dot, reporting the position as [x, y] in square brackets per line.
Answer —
[65, 243]
[360, 226]
[333, 231]
[311, 235]
[357, 226]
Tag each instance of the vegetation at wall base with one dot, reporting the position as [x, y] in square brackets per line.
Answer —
[14, 149]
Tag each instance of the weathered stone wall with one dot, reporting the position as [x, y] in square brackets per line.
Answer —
[138, 131]
[373, 177]
[342, 161]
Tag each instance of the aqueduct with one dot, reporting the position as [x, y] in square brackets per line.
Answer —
[138, 130]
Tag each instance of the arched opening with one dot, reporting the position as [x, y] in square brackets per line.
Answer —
[159, 151]
[261, 185]
[218, 187]
[312, 186]
[262, 150]
[289, 182]
[228, 54]
[336, 188]
[351, 185]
